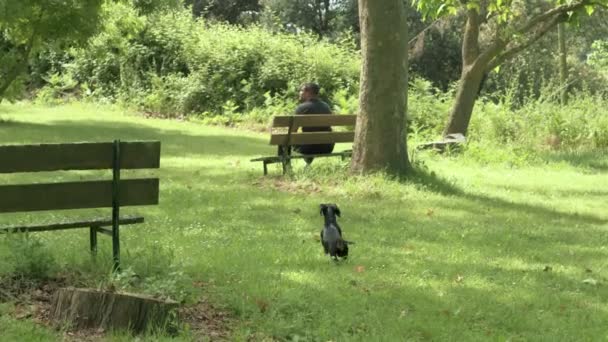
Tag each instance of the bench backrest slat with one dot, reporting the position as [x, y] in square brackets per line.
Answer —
[312, 138]
[78, 156]
[316, 120]
[76, 195]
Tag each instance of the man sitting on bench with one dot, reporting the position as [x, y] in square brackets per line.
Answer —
[311, 104]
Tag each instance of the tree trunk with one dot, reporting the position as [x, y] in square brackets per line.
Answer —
[462, 109]
[17, 69]
[86, 308]
[473, 68]
[11, 76]
[563, 64]
[380, 136]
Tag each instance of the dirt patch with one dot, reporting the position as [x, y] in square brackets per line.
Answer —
[205, 321]
[32, 301]
[286, 185]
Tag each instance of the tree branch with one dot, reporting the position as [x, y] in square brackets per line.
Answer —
[548, 14]
[511, 52]
[470, 43]
[420, 34]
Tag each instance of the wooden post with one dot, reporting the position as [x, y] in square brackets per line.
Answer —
[116, 205]
[286, 157]
[93, 236]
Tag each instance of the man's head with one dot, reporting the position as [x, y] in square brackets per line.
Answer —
[309, 91]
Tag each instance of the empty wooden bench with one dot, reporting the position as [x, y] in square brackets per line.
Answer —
[290, 136]
[114, 193]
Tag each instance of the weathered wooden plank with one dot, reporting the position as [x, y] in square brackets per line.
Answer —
[312, 138]
[78, 156]
[316, 120]
[76, 195]
[72, 225]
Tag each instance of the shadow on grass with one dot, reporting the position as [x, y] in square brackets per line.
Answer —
[174, 142]
[430, 181]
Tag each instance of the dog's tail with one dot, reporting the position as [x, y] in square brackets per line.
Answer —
[349, 242]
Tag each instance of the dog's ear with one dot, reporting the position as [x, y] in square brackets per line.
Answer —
[337, 211]
[323, 208]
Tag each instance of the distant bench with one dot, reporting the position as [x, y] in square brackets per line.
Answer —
[292, 137]
[113, 193]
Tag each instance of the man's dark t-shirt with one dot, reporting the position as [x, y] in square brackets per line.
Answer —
[314, 106]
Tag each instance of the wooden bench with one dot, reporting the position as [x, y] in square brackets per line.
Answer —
[285, 140]
[113, 193]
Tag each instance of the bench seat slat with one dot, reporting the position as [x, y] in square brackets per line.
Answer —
[314, 120]
[78, 156]
[312, 138]
[76, 195]
[72, 225]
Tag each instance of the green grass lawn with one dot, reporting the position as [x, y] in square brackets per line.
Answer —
[462, 256]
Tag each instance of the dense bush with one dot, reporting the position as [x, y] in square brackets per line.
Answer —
[172, 64]
[541, 124]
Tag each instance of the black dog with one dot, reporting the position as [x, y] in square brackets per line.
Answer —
[331, 235]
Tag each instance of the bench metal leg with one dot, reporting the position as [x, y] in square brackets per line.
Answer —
[265, 168]
[93, 236]
[116, 206]
[286, 165]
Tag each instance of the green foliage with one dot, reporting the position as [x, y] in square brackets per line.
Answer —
[537, 126]
[154, 270]
[29, 257]
[598, 57]
[503, 10]
[427, 108]
[29, 25]
[231, 11]
[171, 64]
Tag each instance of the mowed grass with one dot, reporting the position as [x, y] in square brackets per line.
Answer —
[475, 253]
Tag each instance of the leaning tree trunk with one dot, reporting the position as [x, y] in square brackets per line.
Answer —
[473, 68]
[380, 137]
[462, 109]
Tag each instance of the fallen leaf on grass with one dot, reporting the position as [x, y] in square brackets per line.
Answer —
[590, 281]
[262, 305]
[360, 269]
[547, 269]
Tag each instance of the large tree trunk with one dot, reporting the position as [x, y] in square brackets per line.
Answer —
[380, 137]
